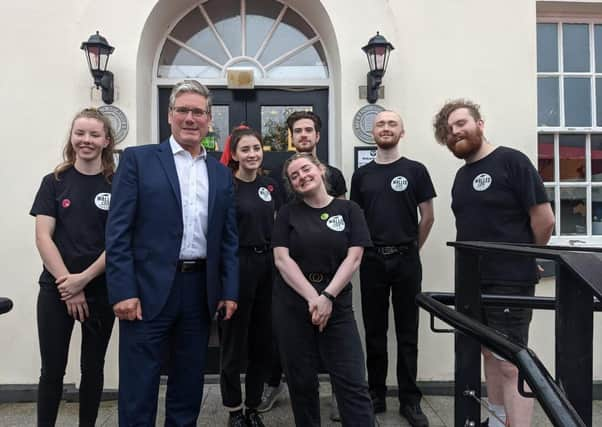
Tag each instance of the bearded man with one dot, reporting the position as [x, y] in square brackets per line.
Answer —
[497, 196]
[392, 190]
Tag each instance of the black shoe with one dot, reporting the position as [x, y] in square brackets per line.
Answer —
[237, 419]
[379, 404]
[253, 419]
[413, 413]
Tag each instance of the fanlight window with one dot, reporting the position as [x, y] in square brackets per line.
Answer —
[264, 35]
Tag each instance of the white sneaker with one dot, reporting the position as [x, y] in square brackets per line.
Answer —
[334, 409]
[269, 397]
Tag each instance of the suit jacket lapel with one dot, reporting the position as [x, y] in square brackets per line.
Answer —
[167, 161]
[211, 174]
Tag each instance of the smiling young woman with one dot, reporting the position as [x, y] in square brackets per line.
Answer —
[71, 209]
[318, 243]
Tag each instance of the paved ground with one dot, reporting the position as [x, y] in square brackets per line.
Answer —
[439, 409]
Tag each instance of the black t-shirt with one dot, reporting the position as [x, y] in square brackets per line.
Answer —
[336, 182]
[390, 194]
[318, 239]
[491, 199]
[80, 204]
[256, 203]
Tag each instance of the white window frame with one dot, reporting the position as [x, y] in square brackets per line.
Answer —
[588, 238]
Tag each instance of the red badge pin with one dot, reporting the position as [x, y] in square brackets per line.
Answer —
[270, 188]
[66, 203]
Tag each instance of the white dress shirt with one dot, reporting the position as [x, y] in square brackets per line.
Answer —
[194, 190]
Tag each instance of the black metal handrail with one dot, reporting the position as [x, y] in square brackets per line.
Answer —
[578, 273]
[550, 396]
[6, 305]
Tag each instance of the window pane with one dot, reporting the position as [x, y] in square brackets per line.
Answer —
[596, 143]
[550, 192]
[575, 47]
[545, 156]
[260, 18]
[573, 211]
[598, 47]
[307, 64]
[176, 62]
[225, 15]
[547, 47]
[577, 102]
[194, 32]
[597, 210]
[292, 32]
[218, 128]
[548, 102]
[572, 157]
[273, 126]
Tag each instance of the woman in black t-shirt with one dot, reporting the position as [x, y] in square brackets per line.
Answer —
[318, 244]
[246, 337]
[71, 209]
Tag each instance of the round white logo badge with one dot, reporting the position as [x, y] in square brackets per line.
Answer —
[482, 182]
[336, 223]
[399, 183]
[264, 194]
[102, 201]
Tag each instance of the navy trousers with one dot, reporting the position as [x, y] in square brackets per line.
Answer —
[184, 324]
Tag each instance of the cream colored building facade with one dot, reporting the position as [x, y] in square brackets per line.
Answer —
[483, 50]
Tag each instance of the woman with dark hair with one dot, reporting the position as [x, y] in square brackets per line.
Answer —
[71, 209]
[246, 337]
[318, 243]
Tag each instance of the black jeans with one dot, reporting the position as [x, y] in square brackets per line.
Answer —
[398, 275]
[54, 332]
[245, 339]
[337, 348]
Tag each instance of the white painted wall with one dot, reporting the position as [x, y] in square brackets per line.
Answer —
[442, 50]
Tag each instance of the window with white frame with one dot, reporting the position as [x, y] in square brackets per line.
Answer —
[266, 36]
[569, 123]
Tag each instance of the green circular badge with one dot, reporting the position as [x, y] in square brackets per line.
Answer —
[324, 216]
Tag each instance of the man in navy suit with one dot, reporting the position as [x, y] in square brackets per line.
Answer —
[172, 261]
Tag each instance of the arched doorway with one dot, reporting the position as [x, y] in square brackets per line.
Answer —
[269, 37]
[282, 49]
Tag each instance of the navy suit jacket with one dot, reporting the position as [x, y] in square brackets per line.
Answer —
[144, 230]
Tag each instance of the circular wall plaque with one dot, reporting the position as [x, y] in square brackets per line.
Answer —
[119, 121]
[363, 122]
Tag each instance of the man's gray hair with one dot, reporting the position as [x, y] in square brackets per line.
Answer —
[189, 86]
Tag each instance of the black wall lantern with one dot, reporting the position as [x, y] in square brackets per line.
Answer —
[97, 51]
[377, 50]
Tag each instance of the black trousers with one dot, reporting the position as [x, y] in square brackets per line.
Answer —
[245, 339]
[398, 276]
[54, 332]
[337, 348]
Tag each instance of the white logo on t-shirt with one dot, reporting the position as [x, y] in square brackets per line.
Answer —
[102, 201]
[399, 183]
[482, 182]
[336, 223]
[265, 194]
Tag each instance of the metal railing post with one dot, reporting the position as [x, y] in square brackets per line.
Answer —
[467, 369]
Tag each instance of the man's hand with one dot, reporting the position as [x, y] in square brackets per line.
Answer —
[128, 309]
[71, 284]
[230, 307]
[77, 307]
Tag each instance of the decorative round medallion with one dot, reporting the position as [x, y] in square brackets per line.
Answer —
[363, 122]
[119, 121]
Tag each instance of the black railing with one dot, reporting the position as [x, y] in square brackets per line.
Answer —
[568, 401]
[5, 305]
